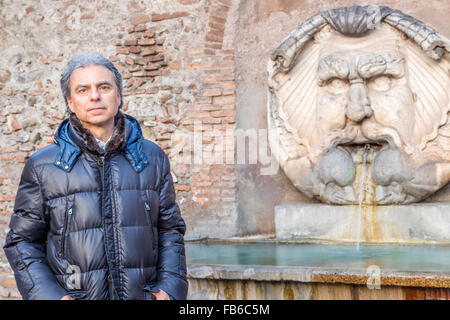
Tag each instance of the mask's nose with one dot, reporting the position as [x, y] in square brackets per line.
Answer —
[358, 105]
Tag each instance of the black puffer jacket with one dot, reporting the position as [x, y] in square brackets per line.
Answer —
[83, 221]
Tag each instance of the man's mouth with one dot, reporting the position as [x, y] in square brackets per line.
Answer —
[96, 108]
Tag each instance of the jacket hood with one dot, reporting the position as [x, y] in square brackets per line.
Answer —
[71, 145]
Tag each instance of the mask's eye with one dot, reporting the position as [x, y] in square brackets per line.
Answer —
[380, 83]
[337, 86]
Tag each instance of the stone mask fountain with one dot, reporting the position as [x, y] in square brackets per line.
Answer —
[358, 102]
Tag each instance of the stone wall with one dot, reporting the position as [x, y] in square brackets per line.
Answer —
[186, 64]
[178, 71]
[178, 68]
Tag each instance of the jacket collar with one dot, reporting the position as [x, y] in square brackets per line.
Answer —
[134, 149]
[86, 140]
[72, 142]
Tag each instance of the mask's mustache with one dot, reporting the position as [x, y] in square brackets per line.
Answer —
[373, 131]
[369, 133]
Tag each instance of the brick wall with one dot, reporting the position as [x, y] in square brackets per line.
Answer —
[179, 75]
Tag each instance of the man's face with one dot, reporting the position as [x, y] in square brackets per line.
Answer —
[95, 97]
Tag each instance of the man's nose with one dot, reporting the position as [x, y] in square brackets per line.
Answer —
[95, 95]
[358, 105]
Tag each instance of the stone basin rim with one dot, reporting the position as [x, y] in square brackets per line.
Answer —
[313, 274]
[425, 279]
[307, 241]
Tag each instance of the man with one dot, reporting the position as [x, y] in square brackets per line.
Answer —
[95, 214]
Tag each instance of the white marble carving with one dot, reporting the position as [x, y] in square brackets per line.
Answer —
[362, 80]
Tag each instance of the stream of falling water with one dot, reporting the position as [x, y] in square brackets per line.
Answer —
[361, 193]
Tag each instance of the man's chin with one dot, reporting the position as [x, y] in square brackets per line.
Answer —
[97, 121]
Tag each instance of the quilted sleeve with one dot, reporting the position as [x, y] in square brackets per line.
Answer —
[25, 243]
[171, 229]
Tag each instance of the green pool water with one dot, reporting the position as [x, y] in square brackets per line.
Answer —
[432, 258]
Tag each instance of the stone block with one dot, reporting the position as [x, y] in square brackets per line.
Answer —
[420, 223]
[8, 282]
[139, 19]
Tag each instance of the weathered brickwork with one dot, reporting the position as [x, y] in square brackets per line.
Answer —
[177, 74]
[184, 75]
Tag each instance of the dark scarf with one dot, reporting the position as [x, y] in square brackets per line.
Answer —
[117, 138]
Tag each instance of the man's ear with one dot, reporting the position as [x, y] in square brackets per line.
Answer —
[69, 102]
[118, 98]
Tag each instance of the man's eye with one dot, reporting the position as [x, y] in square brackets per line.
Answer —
[104, 88]
[82, 91]
[381, 83]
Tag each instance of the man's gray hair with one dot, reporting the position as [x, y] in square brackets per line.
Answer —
[84, 60]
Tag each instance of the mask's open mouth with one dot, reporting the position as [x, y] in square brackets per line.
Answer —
[378, 145]
[370, 148]
[365, 145]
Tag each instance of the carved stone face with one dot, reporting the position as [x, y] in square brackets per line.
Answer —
[364, 105]
[358, 87]
[365, 128]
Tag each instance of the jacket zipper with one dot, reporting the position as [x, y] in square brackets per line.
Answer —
[148, 213]
[68, 219]
[101, 164]
[149, 220]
